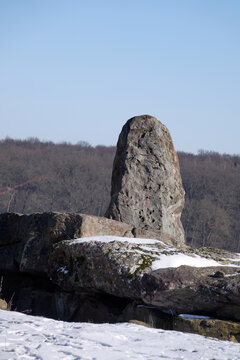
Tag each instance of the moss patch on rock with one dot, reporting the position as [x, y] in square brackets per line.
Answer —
[146, 262]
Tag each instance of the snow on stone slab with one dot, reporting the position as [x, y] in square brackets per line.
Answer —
[190, 316]
[108, 239]
[27, 337]
[171, 258]
[177, 260]
[235, 259]
[232, 275]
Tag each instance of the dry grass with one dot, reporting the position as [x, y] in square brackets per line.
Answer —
[5, 305]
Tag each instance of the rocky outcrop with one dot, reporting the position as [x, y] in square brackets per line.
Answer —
[202, 325]
[79, 267]
[152, 272]
[147, 189]
[26, 240]
[104, 278]
[223, 330]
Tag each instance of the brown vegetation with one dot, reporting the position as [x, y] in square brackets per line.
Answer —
[212, 209]
[42, 176]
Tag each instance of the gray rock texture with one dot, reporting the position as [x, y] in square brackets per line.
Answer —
[151, 317]
[129, 269]
[52, 272]
[147, 188]
[27, 240]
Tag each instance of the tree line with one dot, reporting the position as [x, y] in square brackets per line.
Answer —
[40, 176]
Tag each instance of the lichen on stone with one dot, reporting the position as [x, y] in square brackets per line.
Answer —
[146, 262]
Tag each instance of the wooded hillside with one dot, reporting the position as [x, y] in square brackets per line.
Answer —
[42, 176]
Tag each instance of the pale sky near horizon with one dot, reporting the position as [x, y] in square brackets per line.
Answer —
[73, 70]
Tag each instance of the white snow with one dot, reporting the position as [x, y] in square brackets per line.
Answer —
[176, 260]
[232, 275]
[63, 269]
[26, 337]
[238, 259]
[190, 316]
[107, 239]
[161, 260]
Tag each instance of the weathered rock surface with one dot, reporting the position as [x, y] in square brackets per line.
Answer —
[46, 272]
[151, 317]
[147, 189]
[26, 240]
[37, 297]
[223, 330]
[126, 269]
[195, 290]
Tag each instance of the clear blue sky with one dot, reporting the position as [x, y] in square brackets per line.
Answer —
[74, 70]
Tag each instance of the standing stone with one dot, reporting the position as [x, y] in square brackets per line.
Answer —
[147, 189]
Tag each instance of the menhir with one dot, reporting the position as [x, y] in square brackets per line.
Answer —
[147, 189]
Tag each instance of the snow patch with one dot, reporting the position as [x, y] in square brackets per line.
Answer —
[176, 260]
[164, 256]
[63, 269]
[27, 337]
[189, 316]
[109, 239]
[232, 275]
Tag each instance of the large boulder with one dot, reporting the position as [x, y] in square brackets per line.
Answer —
[147, 189]
[27, 240]
[205, 281]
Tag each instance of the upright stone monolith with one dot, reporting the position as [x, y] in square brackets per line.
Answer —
[147, 189]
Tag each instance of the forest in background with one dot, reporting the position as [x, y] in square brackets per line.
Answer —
[40, 176]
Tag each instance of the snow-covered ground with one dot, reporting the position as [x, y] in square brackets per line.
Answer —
[26, 337]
